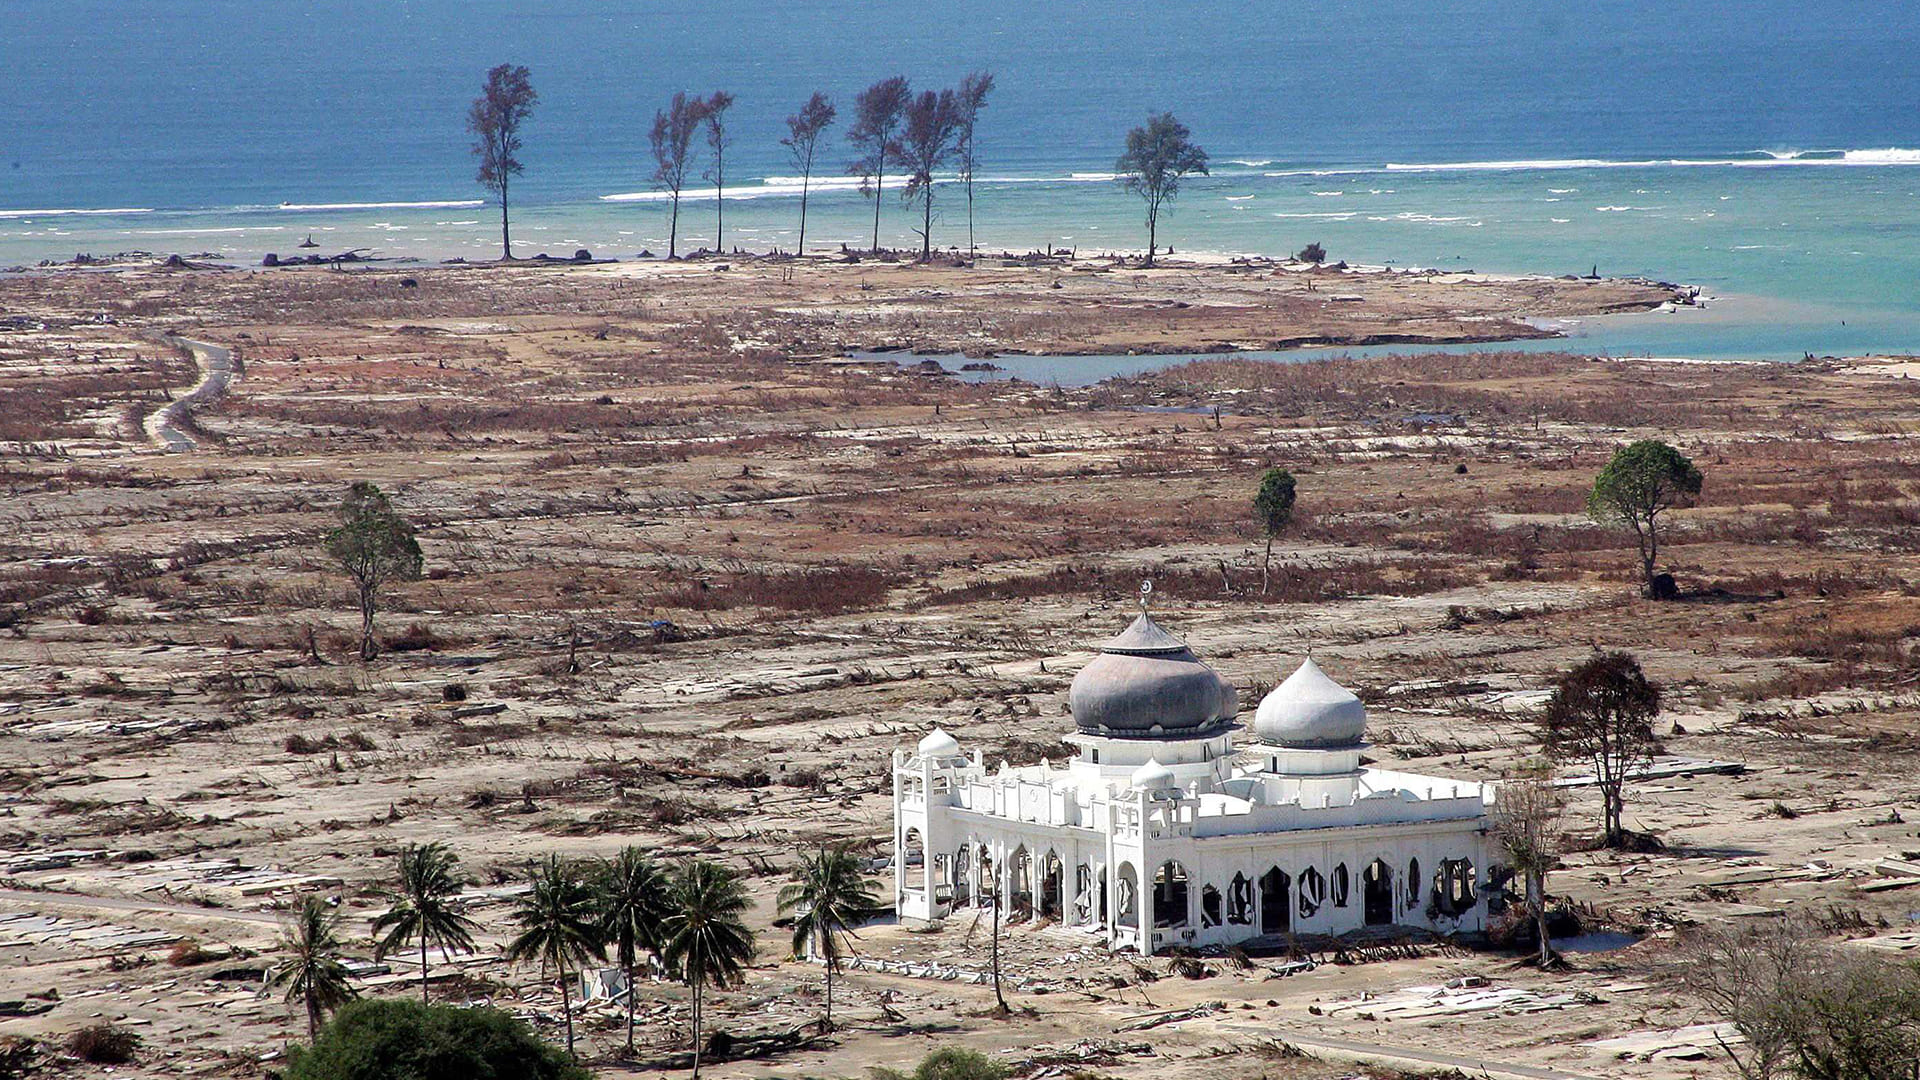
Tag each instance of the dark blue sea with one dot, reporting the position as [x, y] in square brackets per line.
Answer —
[1768, 151]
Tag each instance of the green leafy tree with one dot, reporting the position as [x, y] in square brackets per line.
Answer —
[829, 896]
[877, 111]
[560, 923]
[636, 896]
[1273, 506]
[1601, 714]
[803, 138]
[672, 141]
[424, 911]
[708, 942]
[312, 972]
[405, 1040]
[1527, 820]
[970, 99]
[374, 545]
[1158, 156]
[714, 112]
[504, 104]
[1643, 481]
[930, 124]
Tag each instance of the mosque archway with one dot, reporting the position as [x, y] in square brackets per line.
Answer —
[1276, 915]
[1377, 893]
[963, 877]
[1341, 885]
[1210, 907]
[1413, 884]
[1170, 897]
[1020, 883]
[1453, 887]
[1126, 896]
[916, 848]
[1083, 898]
[1052, 887]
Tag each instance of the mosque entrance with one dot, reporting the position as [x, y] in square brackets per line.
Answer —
[1276, 914]
[1378, 882]
[1051, 873]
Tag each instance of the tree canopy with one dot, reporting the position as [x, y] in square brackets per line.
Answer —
[1601, 714]
[877, 111]
[1158, 156]
[505, 102]
[404, 1040]
[1641, 482]
[374, 545]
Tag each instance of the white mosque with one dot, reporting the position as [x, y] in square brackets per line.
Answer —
[1164, 830]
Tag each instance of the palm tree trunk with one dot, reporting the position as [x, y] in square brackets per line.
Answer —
[696, 1026]
[566, 1012]
[313, 1018]
[1266, 568]
[879, 178]
[673, 225]
[719, 206]
[826, 953]
[630, 996]
[424, 1000]
[998, 996]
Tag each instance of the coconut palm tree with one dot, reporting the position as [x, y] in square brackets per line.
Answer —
[830, 895]
[559, 920]
[706, 940]
[312, 971]
[636, 896]
[424, 911]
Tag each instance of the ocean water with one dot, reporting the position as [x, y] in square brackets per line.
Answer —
[1769, 151]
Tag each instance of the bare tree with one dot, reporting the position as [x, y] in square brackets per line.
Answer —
[877, 111]
[1157, 157]
[925, 143]
[803, 136]
[971, 98]
[1601, 714]
[672, 139]
[715, 112]
[504, 104]
[1528, 818]
[1804, 1006]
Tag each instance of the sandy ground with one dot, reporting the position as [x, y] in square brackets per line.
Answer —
[772, 570]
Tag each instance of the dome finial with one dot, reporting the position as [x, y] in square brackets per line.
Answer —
[1146, 594]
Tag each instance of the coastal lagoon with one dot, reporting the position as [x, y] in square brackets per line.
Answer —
[1767, 152]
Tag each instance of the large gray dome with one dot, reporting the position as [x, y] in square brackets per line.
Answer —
[1147, 684]
[1309, 711]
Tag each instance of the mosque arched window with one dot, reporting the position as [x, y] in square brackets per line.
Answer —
[1240, 900]
[1342, 885]
[1453, 887]
[1312, 888]
[1413, 883]
[1209, 906]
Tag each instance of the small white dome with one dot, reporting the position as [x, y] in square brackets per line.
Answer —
[1310, 711]
[1152, 776]
[938, 744]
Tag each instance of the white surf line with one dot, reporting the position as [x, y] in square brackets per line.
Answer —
[163, 425]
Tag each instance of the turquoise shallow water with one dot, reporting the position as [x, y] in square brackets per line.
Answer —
[1765, 150]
